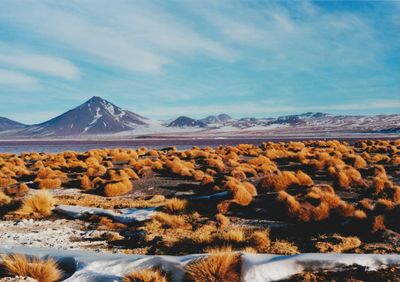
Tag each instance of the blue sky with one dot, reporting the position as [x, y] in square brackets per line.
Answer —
[162, 59]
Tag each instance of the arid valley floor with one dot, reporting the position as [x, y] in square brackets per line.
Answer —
[283, 198]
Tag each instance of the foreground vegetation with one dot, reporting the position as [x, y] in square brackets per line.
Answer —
[278, 198]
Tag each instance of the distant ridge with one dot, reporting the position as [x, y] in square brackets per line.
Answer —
[99, 117]
[8, 124]
[183, 121]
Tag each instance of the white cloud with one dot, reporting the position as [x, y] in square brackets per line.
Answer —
[13, 78]
[132, 35]
[296, 35]
[40, 63]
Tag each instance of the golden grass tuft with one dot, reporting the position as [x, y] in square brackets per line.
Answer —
[118, 188]
[175, 204]
[222, 220]
[378, 223]
[235, 235]
[49, 183]
[207, 179]
[146, 275]
[340, 244]
[280, 181]
[39, 269]
[23, 188]
[223, 207]
[172, 221]
[222, 266]
[86, 184]
[7, 181]
[199, 175]
[261, 241]
[281, 247]
[39, 204]
[4, 199]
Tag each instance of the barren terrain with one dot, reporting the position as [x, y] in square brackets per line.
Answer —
[274, 198]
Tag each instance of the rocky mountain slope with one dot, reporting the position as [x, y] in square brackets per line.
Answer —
[100, 117]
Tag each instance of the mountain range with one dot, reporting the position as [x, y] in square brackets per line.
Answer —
[98, 117]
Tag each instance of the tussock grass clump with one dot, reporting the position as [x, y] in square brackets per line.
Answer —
[4, 199]
[315, 205]
[207, 179]
[235, 235]
[172, 221]
[39, 204]
[216, 163]
[336, 243]
[39, 269]
[378, 223]
[117, 156]
[243, 192]
[198, 175]
[346, 176]
[182, 168]
[146, 275]
[280, 181]
[49, 183]
[86, 184]
[175, 204]
[223, 265]
[222, 220]
[261, 241]
[118, 188]
[98, 170]
[7, 181]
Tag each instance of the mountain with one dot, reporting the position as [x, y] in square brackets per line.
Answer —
[216, 119]
[183, 121]
[100, 117]
[95, 116]
[8, 124]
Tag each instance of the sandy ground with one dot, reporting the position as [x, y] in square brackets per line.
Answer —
[62, 234]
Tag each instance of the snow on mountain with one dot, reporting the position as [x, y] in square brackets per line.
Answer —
[98, 117]
[95, 116]
[219, 119]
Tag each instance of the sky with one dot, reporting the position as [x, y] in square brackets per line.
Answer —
[163, 59]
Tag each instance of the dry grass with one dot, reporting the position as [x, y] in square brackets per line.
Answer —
[280, 181]
[175, 204]
[49, 183]
[336, 243]
[39, 269]
[86, 184]
[222, 220]
[118, 188]
[222, 266]
[281, 247]
[39, 204]
[146, 275]
[171, 221]
[235, 235]
[261, 241]
[4, 199]
[207, 179]
[109, 203]
[378, 223]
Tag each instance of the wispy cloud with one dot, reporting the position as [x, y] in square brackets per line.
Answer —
[13, 78]
[48, 65]
[131, 35]
[203, 57]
